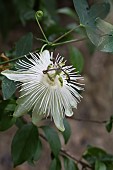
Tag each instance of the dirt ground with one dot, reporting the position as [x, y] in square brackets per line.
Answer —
[97, 104]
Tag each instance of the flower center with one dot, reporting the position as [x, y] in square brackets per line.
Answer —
[52, 76]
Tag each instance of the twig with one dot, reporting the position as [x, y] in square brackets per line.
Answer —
[15, 59]
[89, 121]
[69, 41]
[66, 153]
[68, 32]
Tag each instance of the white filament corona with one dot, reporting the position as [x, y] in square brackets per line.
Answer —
[48, 87]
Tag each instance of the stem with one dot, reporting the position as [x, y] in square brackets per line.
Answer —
[39, 39]
[89, 121]
[70, 41]
[15, 59]
[66, 153]
[62, 36]
[43, 48]
[41, 30]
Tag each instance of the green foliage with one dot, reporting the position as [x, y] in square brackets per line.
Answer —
[55, 164]
[6, 118]
[20, 122]
[53, 140]
[109, 124]
[69, 164]
[76, 58]
[8, 88]
[100, 166]
[38, 151]
[24, 9]
[81, 8]
[106, 36]
[88, 15]
[25, 144]
[67, 132]
[98, 158]
[24, 45]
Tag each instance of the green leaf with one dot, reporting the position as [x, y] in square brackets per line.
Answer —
[20, 122]
[88, 15]
[8, 88]
[109, 166]
[6, 110]
[106, 41]
[76, 58]
[67, 132]
[97, 157]
[69, 164]
[100, 166]
[93, 153]
[55, 164]
[6, 118]
[6, 121]
[24, 144]
[53, 140]
[24, 45]
[81, 7]
[99, 10]
[109, 124]
[38, 151]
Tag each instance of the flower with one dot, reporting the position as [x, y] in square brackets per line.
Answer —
[48, 87]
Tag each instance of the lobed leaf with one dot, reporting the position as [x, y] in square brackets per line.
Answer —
[88, 15]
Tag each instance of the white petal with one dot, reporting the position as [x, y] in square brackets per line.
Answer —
[58, 120]
[68, 112]
[21, 108]
[23, 76]
[45, 55]
[57, 116]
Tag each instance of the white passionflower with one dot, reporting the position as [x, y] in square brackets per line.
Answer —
[48, 87]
